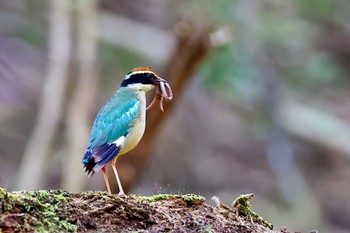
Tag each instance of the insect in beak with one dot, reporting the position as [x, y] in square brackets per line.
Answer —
[163, 92]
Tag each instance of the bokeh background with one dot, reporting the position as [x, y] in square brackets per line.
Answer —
[262, 101]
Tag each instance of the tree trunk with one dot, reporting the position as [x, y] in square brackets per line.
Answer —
[80, 108]
[32, 165]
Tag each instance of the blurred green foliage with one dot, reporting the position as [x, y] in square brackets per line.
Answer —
[229, 69]
[31, 35]
[114, 63]
[288, 33]
[317, 69]
[318, 9]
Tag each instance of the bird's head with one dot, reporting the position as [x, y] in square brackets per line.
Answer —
[142, 78]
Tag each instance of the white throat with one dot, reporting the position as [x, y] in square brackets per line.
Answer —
[141, 87]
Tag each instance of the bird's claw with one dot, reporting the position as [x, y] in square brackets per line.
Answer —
[122, 194]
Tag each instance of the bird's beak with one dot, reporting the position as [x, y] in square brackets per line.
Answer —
[157, 80]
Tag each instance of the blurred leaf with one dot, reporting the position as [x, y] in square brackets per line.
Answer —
[110, 55]
[114, 63]
[317, 9]
[229, 69]
[318, 69]
[220, 12]
[31, 35]
[284, 31]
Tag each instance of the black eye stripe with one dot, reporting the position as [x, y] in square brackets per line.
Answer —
[143, 78]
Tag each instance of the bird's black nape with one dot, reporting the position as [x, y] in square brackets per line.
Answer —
[89, 167]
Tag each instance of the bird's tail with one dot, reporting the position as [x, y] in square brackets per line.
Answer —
[89, 163]
[95, 159]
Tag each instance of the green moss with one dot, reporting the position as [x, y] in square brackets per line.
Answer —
[5, 205]
[158, 197]
[243, 206]
[48, 196]
[97, 194]
[3, 193]
[41, 206]
[193, 197]
[209, 229]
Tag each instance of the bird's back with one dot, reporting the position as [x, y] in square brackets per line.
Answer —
[117, 128]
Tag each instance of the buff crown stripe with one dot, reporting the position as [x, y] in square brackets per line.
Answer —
[144, 69]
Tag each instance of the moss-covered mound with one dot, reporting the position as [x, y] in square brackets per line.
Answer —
[59, 211]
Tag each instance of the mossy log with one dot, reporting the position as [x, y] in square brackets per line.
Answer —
[60, 211]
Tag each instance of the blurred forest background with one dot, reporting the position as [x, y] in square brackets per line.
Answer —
[261, 99]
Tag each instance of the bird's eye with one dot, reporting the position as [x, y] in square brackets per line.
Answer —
[150, 75]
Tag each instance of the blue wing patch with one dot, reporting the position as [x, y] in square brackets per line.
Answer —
[112, 122]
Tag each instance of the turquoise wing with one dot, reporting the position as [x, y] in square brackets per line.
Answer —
[113, 121]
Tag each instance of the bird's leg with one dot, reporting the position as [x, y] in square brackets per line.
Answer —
[121, 191]
[105, 177]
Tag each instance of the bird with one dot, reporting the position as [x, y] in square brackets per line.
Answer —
[120, 124]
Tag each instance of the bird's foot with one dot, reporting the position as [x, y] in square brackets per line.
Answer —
[122, 194]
